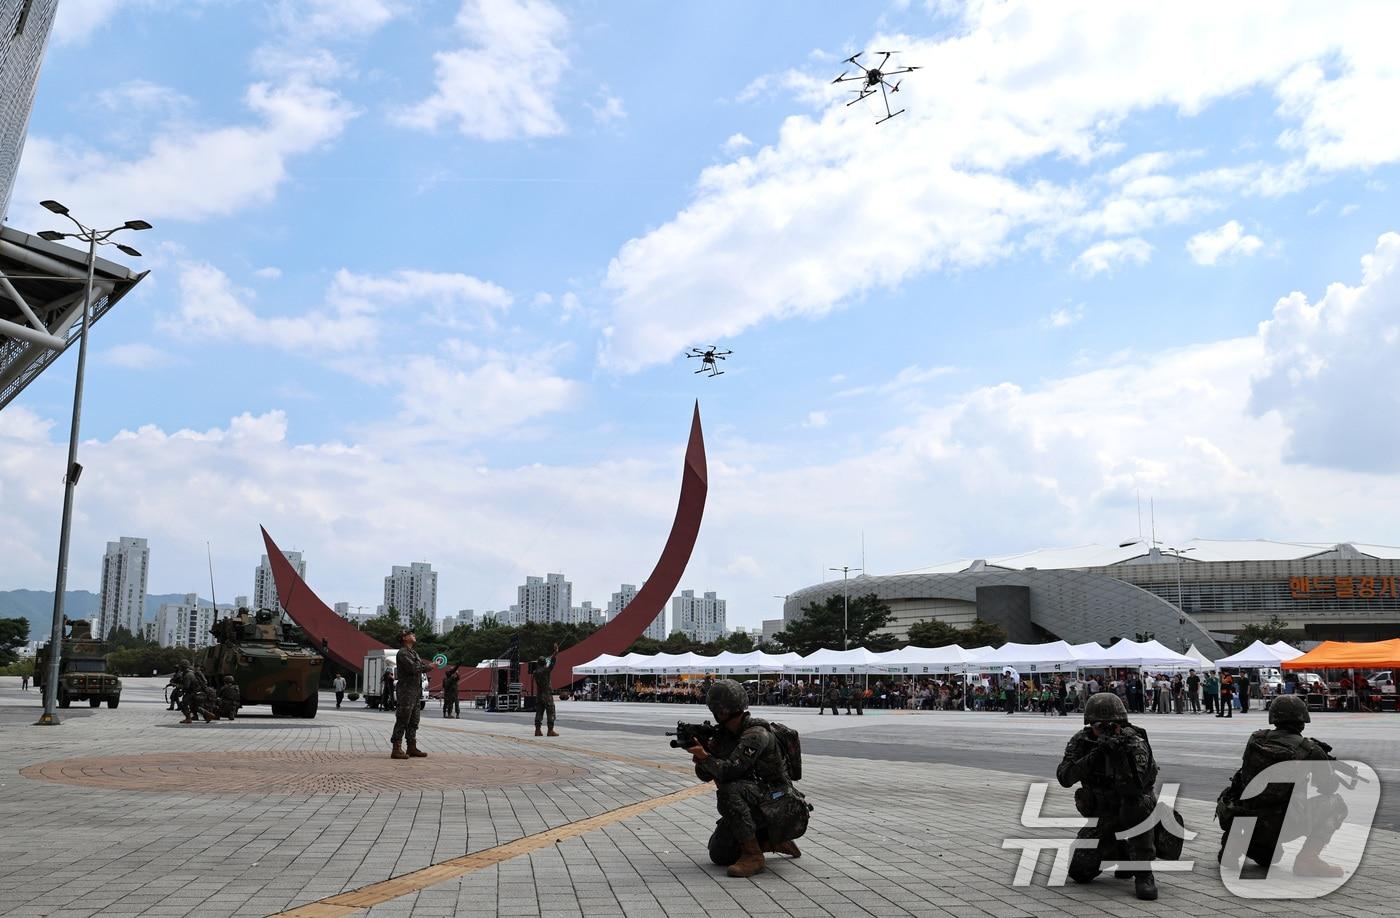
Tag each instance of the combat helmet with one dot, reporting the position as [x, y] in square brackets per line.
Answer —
[228, 678]
[1104, 706]
[1289, 709]
[726, 698]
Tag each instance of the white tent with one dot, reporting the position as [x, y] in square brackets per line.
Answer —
[600, 664]
[755, 661]
[1260, 654]
[1151, 654]
[836, 662]
[1054, 656]
[922, 660]
[1202, 661]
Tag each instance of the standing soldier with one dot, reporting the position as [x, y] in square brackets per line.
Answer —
[230, 699]
[176, 685]
[410, 673]
[1113, 762]
[387, 691]
[542, 671]
[450, 681]
[830, 698]
[1320, 817]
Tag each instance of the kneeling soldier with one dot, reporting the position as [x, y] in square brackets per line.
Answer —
[230, 699]
[759, 808]
[1321, 816]
[1113, 762]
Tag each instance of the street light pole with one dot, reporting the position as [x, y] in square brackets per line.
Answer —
[70, 479]
[846, 604]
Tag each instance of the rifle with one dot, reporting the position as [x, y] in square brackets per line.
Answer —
[689, 735]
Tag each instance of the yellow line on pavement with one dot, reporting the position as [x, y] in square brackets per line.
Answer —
[348, 903]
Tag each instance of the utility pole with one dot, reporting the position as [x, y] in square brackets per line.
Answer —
[846, 603]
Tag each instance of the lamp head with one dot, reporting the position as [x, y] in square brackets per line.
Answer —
[54, 206]
[137, 225]
[128, 250]
[50, 235]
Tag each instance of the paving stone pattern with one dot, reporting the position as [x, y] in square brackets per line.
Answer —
[888, 838]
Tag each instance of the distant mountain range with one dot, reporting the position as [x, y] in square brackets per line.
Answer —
[37, 606]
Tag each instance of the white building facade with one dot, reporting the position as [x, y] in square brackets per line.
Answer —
[628, 592]
[122, 602]
[545, 599]
[185, 624]
[265, 587]
[700, 618]
[411, 588]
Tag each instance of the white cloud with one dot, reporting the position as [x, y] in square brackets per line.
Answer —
[143, 96]
[1065, 316]
[1348, 209]
[137, 356]
[189, 175]
[1106, 255]
[907, 379]
[1332, 368]
[211, 307]
[448, 400]
[336, 18]
[737, 142]
[1225, 242]
[502, 85]
[816, 420]
[271, 272]
[609, 110]
[958, 173]
[78, 20]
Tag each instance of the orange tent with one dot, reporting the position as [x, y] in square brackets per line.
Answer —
[1348, 655]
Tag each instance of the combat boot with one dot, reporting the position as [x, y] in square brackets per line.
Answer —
[398, 752]
[209, 717]
[414, 752]
[787, 847]
[551, 732]
[538, 731]
[187, 720]
[1145, 885]
[1309, 864]
[750, 861]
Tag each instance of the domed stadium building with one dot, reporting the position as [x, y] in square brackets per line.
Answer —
[1203, 595]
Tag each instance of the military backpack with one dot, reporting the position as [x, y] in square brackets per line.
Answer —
[790, 746]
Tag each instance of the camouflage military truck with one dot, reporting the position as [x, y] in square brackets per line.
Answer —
[82, 673]
[267, 665]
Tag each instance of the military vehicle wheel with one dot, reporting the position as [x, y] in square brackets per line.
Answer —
[308, 707]
[94, 702]
[280, 710]
[113, 702]
[63, 699]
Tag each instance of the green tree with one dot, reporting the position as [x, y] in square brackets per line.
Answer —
[933, 633]
[738, 642]
[143, 661]
[121, 639]
[384, 628]
[14, 633]
[824, 624]
[1269, 631]
[982, 634]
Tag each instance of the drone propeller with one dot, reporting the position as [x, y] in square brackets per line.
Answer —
[895, 87]
[852, 58]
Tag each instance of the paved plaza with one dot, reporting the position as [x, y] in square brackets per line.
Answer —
[126, 812]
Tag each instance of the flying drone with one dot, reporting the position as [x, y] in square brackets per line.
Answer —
[871, 77]
[709, 359]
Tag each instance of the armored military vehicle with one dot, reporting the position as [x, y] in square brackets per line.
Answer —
[268, 666]
[82, 674]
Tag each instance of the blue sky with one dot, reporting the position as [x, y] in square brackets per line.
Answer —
[423, 271]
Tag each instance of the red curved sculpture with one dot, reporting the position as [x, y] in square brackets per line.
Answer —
[347, 645]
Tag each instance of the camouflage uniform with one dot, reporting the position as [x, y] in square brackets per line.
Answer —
[755, 796]
[1118, 775]
[542, 671]
[230, 699]
[831, 698]
[1319, 817]
[450, 682]
[409, 669]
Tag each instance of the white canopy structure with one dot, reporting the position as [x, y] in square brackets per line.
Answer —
[1053, 657]
[755, 661]
[1202, 661]
[922, 660]
[836, 662]
[1151, 654]
[1260, 654]
[601, 665]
